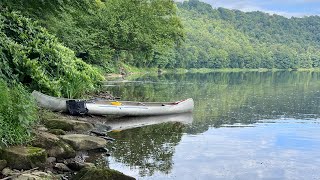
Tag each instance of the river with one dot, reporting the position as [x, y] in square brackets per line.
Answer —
[245, 125]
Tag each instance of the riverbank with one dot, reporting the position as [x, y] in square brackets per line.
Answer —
[134, 72]
[59, 149]
[65, 128]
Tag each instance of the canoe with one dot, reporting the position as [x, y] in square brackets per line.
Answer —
[121, 108]
[124, 123]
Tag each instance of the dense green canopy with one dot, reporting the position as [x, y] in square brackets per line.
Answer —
[222, 38]
[106, 33]
[32, 56]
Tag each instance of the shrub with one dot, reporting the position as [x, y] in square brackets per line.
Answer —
[17, 114]
[32, 56]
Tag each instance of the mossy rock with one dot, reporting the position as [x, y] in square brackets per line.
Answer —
[100, 173]
[20, 157]
[57, 131]
[67, 125]
[82, 142]
[58, 124]
[55, 147]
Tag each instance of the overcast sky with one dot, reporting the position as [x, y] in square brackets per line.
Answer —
[286, 8]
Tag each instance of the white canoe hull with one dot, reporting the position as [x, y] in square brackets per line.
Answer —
[127, 108]
[124, 123]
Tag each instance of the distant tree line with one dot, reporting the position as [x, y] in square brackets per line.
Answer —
[222, 38]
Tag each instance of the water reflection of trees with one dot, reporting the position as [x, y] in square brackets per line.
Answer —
[149, 148]
[227, 98]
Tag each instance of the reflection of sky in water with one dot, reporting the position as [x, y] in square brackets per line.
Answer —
[277, 149]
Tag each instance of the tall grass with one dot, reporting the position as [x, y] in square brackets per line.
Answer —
[17, 114]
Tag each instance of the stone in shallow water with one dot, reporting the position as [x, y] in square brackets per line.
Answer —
[100, 173]
[84, 142]
[20, 157]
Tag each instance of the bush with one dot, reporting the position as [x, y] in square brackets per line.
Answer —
[17, 114]
[32, 56]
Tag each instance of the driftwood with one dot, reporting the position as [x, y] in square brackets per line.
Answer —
[18, 174]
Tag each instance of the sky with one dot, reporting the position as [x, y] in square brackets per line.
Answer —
[288, 8]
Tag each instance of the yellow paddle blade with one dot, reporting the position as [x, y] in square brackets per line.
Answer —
[116, 103]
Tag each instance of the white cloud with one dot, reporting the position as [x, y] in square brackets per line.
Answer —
[254, 5]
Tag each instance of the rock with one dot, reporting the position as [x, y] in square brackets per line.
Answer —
[100, 127]
[7, 172]
[20, 157]
[67, 124]
[84, 142]
[62, 167]
[76, 165]
[3, 164]
[37, 175]
[55, 147]
[51, 160]
[57, 131]
[100, 173]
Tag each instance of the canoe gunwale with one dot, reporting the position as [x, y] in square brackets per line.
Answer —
[128, 108]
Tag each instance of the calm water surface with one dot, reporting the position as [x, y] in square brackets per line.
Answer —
[245, 126]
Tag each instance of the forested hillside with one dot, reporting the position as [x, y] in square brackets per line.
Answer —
[161, 33]
[222, 38]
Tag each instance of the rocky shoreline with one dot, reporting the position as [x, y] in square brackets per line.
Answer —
[59, 150]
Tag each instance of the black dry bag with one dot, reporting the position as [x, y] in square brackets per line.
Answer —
[76, 107]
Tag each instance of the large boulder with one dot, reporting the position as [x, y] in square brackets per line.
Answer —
[84, 142]
[55, 147]
[20, 157]
[100, 173]
[67, 125]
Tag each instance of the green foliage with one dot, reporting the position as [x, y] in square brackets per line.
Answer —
[107, 33]
[148, 33]
[222, 38]
[17, 114]
[30, 55]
